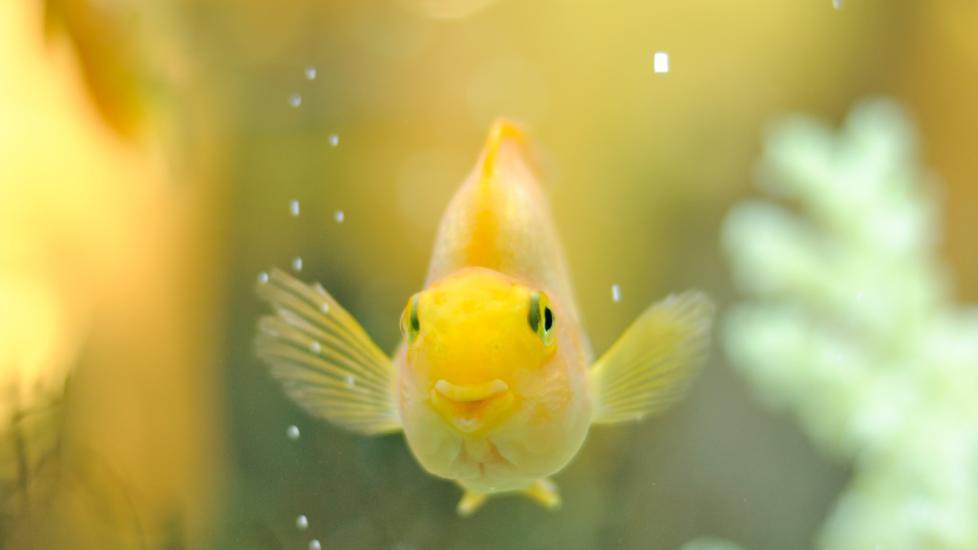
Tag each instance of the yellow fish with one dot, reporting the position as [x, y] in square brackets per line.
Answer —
[493, 383]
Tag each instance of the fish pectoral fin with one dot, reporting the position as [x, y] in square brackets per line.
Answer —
[544, 492]
[324, 359]
[652, 363]
[470, 502]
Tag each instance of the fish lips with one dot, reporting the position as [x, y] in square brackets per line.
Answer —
[472, 408]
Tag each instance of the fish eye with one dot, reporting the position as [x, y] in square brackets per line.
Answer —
[410, 323]
[538, 312]
[415, 322]
[534, 314]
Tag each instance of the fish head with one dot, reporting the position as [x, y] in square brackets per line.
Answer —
[478, 344]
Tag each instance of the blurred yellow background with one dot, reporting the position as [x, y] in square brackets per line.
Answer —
[149, 152]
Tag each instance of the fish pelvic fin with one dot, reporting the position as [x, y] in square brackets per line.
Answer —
[470, 503]
[542, 491]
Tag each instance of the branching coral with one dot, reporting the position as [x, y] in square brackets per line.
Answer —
[850, 325]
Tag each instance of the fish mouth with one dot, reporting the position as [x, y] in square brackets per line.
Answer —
[469, 408]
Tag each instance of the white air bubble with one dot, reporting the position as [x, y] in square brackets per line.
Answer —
[334, 140]
[339, 216]
[295, 100]
[301, 522]
[297, 264]
[310, 73]
[315, 347]
[294, 207]
[615, 293]
[837, 4]
[315, 545]
[324, 307]
[660, 62]
[350, 380]
[292, 432]
[263, 277]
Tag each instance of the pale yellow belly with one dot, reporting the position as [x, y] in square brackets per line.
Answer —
[508, 459]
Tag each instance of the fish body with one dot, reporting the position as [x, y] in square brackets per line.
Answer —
[496, 246]
[493, 384]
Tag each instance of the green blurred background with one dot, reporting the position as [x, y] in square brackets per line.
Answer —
[148, 155]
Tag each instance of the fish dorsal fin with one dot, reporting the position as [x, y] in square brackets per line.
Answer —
[652, 363]
[324, 359]
[502, 131]
[500, 219]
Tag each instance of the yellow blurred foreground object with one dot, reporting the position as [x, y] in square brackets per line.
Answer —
[103, 273]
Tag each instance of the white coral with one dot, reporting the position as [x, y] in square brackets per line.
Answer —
[850, 325]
